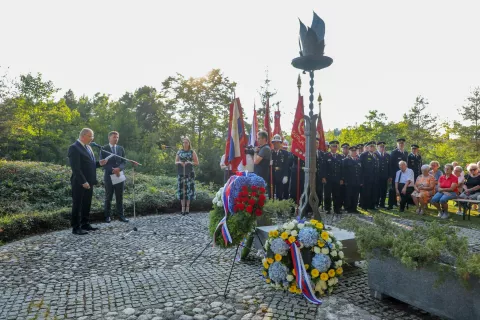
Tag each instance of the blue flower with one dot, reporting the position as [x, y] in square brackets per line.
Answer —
[277, 272]
[250, 180]
[254, 180]
[279, 246]
[321, 262]
[308, 236]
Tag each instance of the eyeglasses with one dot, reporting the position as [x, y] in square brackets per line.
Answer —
[473, 169]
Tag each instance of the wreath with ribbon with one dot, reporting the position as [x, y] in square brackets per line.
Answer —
[303, 258]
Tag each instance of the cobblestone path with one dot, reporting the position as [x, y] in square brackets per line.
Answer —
[148, 276]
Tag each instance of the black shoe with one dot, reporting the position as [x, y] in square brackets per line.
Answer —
[402, 210]
[79, 232]
[123, 219]
[88, 227]
[108, 220]
[390, 208]
[182, 213]
[329, 212]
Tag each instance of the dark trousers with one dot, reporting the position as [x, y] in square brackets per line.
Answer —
[392, 195]
[368, 195]
[110, 189]
[382, 185]
[332, 190]
[343, 196]
[82, 201]
[404, 198]
[278, 189]
[319, 187]
[293, 184]
[351, 199]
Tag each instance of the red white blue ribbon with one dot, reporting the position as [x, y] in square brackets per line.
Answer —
[223, 223]
[303, 282]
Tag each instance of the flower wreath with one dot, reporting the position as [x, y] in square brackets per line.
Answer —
[241, 200]
[303, 257]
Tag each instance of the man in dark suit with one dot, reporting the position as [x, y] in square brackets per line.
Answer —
[415, 161]
[280, 168]
[352, 179]
[84, 177]
[115, 165]
[331, 177]
[369, 164]
[384, 175]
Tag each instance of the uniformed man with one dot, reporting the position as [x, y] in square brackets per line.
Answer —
[369, 176]
[397, 155]
[294, 164]
[279, 168]
[383, 175]
[332, 178]
[286, 190]
[343, 191]
[359, 149]
[352, 179]
[415, 161]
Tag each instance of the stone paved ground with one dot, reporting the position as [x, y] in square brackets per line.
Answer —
[147, 276]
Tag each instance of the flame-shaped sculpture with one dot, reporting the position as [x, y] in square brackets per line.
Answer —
[312, 46]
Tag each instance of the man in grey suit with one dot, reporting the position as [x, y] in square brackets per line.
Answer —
[115, 165]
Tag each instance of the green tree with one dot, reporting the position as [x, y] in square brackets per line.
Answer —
[471, 113]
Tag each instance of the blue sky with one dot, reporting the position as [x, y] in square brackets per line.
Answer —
[385, 53]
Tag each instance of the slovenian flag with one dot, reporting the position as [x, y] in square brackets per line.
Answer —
[252, 140]
[236, 141]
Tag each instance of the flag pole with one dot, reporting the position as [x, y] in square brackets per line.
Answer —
[299, 86]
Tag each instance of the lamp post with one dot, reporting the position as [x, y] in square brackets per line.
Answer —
[312, 58]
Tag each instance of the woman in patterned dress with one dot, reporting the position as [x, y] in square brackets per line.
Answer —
[185, 160]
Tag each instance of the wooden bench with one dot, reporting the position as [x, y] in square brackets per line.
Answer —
[468, 205]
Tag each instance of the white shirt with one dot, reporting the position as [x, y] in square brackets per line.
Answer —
[222, 163]
[249, 166]
[406, 176]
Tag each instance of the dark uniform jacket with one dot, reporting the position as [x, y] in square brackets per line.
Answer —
[113, 162]
[415, 163]
[369, 167]
[395, 157]
[383, 165]
[280, 165]
[332, 167]
[352, 171]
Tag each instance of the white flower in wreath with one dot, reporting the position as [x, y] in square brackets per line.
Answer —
[264, 260]
[323, 285]
[331, 282]
[317, 250]
[295, 222]
[339, 245]
[325, 250]
[329, 240]
[290, 226]
[294, 233]
[341, 254]
[336, 280]
[333, 253]
[289, 278]
[338, 263]
[300, 225]
[333, 246]
[318, 287]
[220, 203]
[285, 226]
[287, 231]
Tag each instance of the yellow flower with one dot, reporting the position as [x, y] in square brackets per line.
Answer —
[319, 225]
[284, 235]
[324, 276]
[331, 273]
[270, 260]
[298, 291]
[315, 273]
[264, 273]
[265, 265]
[325, 235]
[268, 280]
[292, 239]
[307, 266]
[294, 273]
[339, 270]
[292, 289]
[270, 233]
[320, 243]
[278, 257]
[275, 233]
[313, 221]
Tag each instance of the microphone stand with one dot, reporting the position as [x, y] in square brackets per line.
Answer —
[134, 163]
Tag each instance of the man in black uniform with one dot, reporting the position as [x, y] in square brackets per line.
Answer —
[415, 161]
[359, 152]
[343, 191]
[319, 175]
[279, 168]
[397, 155]
[383, 175]
[262, 157]
[294, 165]
[352, 179]
[332, 178]
[286, 186]
[369, 177]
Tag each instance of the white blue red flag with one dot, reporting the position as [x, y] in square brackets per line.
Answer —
[252, 140]
[236, 141]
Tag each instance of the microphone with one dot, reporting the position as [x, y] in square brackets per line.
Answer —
[93, 144]
[165, 147]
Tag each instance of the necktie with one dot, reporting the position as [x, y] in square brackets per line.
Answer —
[113, 150]
[90, 152]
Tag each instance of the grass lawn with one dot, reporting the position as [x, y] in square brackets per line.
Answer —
[431, 215]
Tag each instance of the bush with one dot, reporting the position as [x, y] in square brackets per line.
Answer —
[239, 225]
[36, 197]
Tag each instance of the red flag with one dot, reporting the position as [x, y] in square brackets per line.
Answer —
[277, 129]
[236, 139]
[298, 131]
[320, 133]
[266, 123]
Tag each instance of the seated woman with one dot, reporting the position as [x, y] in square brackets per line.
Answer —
[447, 189]
[424, 189]
[458, 171]
[435, 172]
[471, 188]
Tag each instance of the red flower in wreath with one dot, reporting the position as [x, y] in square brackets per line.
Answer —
[262, 197]
[262, 190]
[241, 207]
[258, 212]
[254, 194]
[249, 209]
[251, 202]
[254, 188]
[261, 203]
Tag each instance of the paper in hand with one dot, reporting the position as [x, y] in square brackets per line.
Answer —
[116, 180]
[112, 155]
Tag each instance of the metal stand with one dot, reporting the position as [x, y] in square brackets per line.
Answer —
[230, 274]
